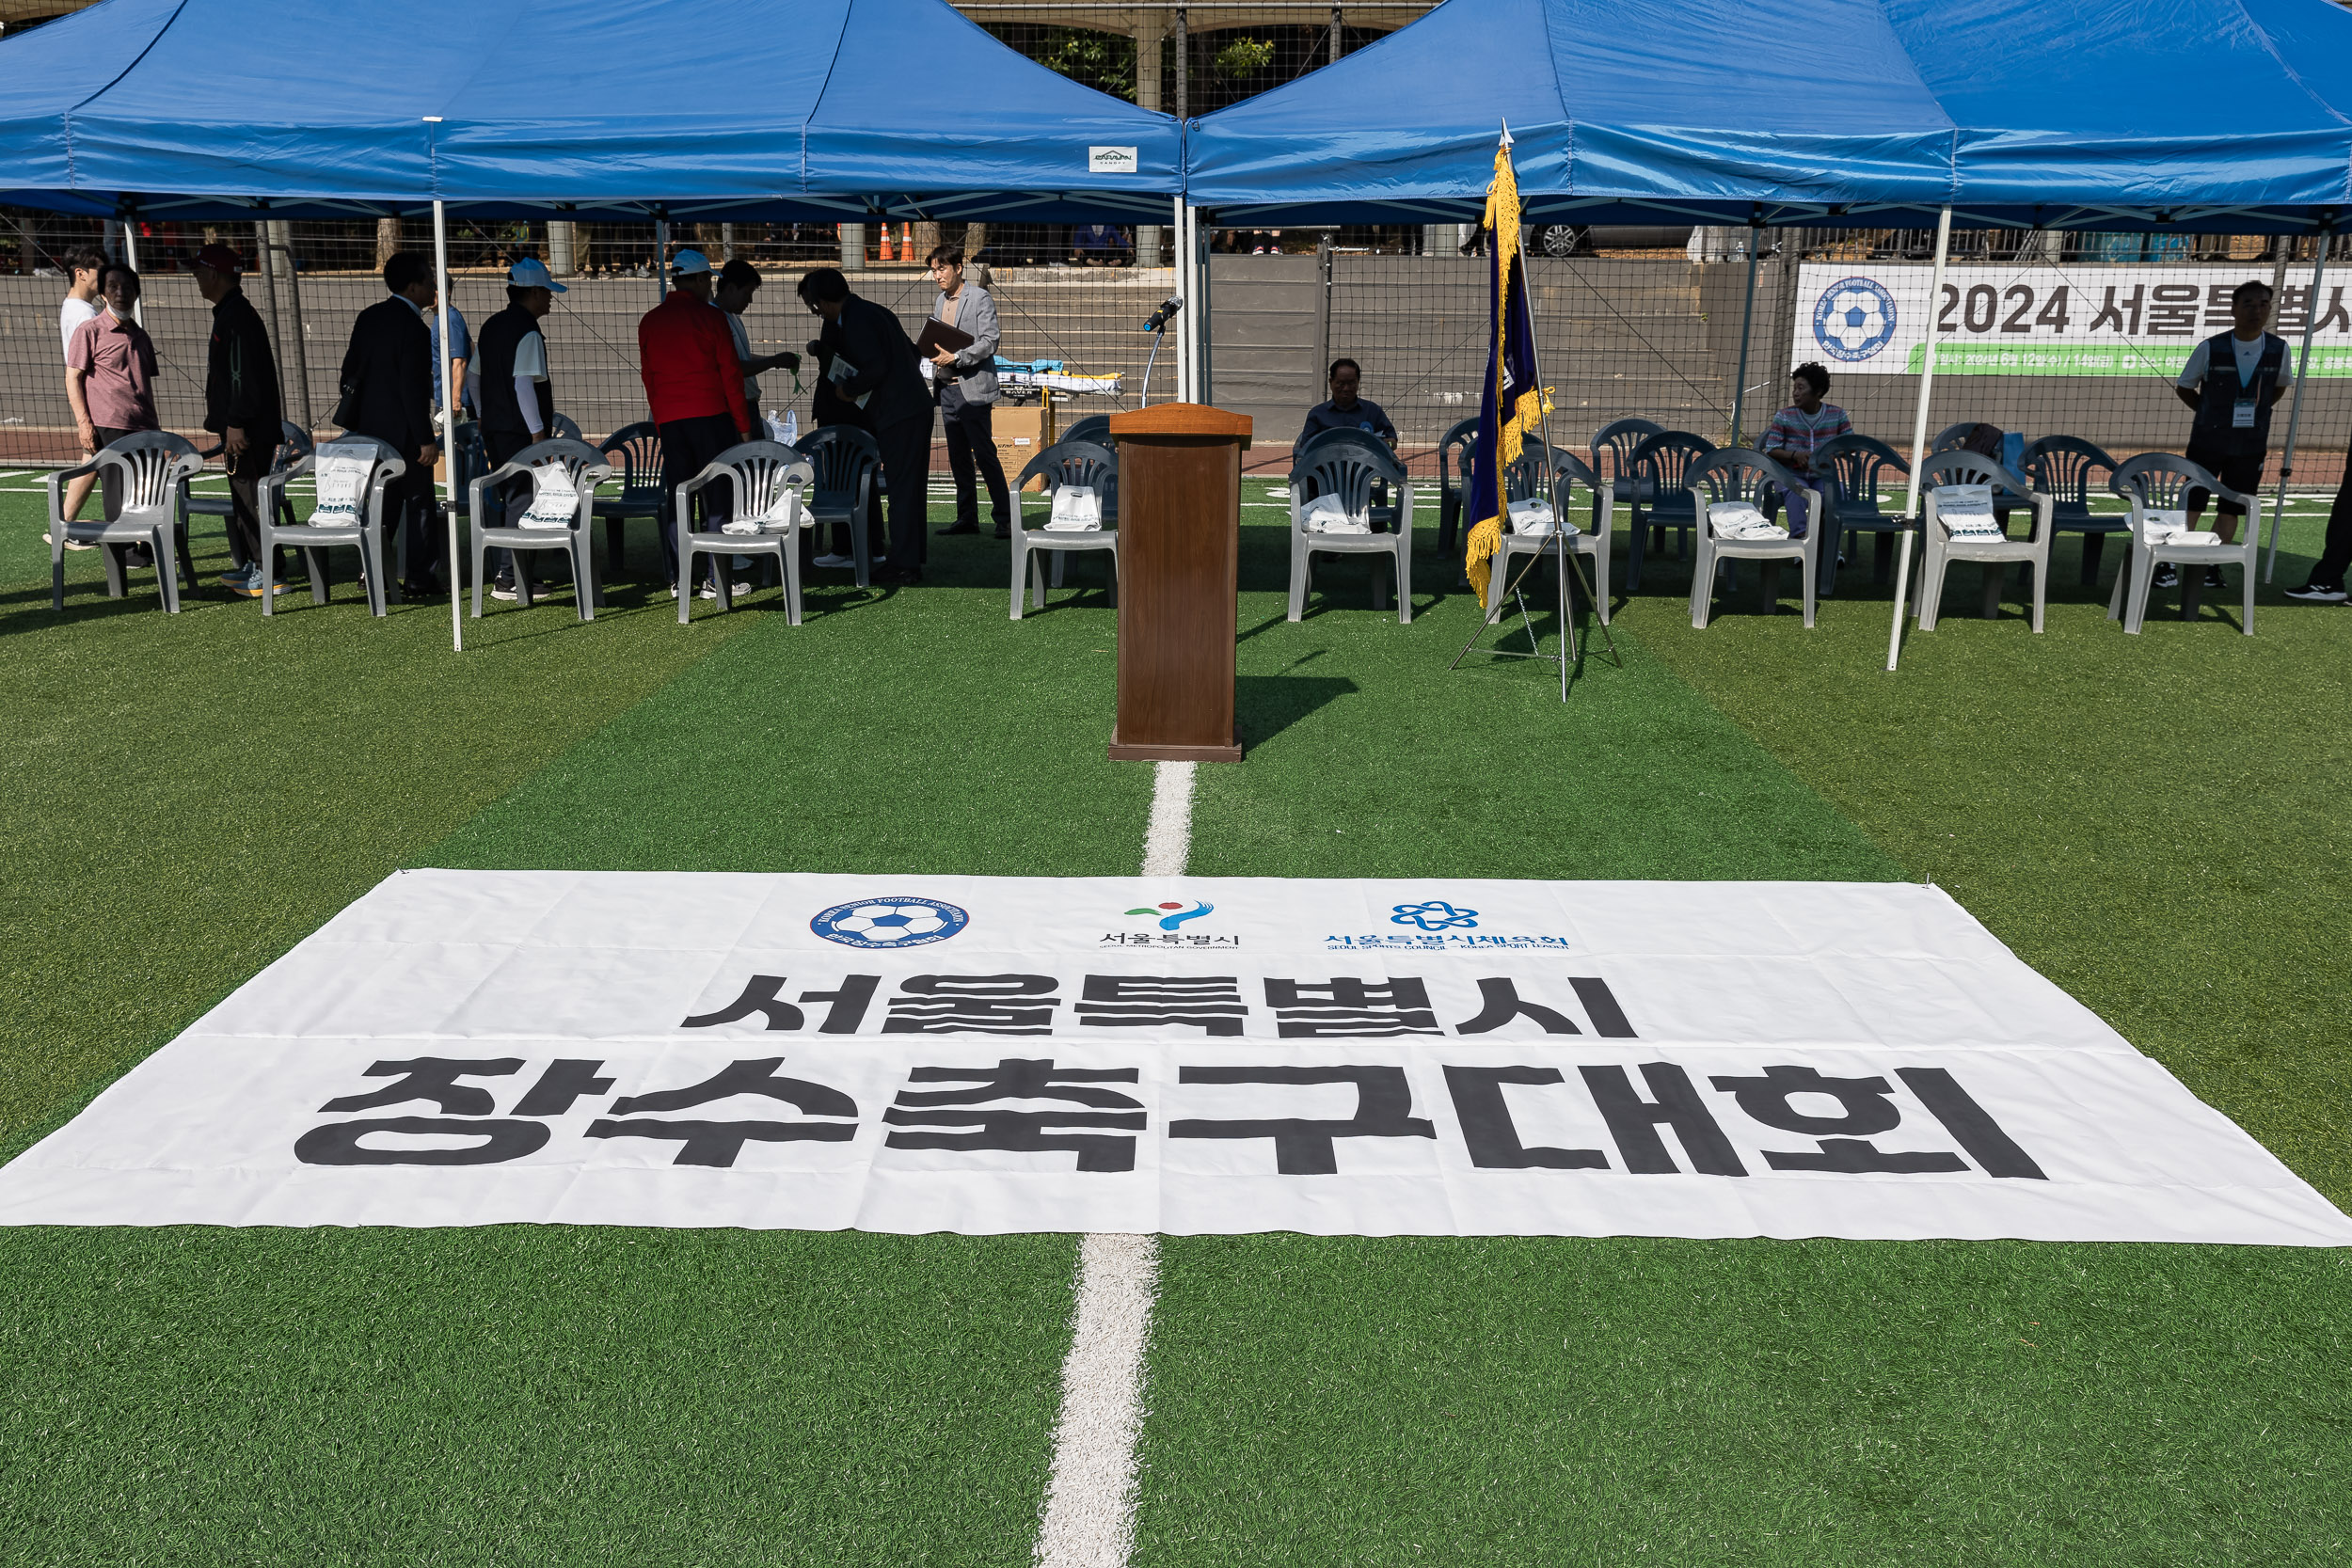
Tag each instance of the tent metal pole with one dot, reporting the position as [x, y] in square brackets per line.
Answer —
[660, 260]
[1747, 319]
[1919, 435]
[2295, 413]
[131, 260]
[1205, 339]
[449, 421]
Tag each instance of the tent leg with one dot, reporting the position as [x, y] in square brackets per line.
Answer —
[1919, 437]
[1747, 318]
[449, 418]
[660, 260]
[2295, 414]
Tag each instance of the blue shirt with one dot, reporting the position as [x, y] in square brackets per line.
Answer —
[1365, 416]
[462, 342]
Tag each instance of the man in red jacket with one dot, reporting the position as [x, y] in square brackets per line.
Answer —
[694, 385]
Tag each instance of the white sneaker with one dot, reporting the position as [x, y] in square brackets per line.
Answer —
[832, 562]
[707, 591]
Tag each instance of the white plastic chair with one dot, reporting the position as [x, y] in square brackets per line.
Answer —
[581, 467]
[2159, 481]
[770, 482]
[152, 468]
[361, 527]
[1737, 474]
[1940, 548]
[1076, 465]
[1346, 470]
[1526, 481]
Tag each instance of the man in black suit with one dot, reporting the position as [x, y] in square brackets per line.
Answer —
[869, 355]
[387, 384]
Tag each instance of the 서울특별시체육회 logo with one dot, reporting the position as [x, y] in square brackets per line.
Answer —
[890, 922]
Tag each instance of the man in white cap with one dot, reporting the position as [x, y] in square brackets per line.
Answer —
[516, 395]
[695, 386]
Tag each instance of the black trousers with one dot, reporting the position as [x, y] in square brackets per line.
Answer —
[906, 454]
[2337, 557]
[246, 473]
[408, 505]
[970, 443]
[687, 448]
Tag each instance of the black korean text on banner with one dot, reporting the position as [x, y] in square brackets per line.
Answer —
[1101, 1134]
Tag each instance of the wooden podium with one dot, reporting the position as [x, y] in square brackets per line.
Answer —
[1179, 564]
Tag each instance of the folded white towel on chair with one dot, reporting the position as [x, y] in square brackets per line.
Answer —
[554, 499]
[1076, 510]
[342, 471]
[1742, 520]
[1329, 515]
[1966, 512]
[1533, 516]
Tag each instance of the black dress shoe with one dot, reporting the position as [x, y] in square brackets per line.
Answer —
[890, 577]
[1004, 530]
[959, 527]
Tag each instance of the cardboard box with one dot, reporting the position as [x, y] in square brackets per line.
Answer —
[1020, 435]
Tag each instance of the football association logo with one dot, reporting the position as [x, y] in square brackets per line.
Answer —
[1855, 319]
[890, 922]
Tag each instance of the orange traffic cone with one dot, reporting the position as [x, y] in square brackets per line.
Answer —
[886, 256]
[906, 242]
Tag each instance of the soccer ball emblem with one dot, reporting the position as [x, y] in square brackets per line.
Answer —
[1855, 319]
[890, 922]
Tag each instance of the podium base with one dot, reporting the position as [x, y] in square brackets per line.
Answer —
[1122, 751]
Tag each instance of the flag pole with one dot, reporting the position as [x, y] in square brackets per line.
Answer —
[1919, 437]
[2295, 413]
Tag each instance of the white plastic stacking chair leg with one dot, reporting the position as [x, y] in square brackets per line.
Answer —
[1703, 583]
[2247, 625]
[2143, 585]
[1036, 576]
[1301, 565]
[1811, 560]
[1404, 580]
[1934, 567]
[2040, 570]
[584, 554]
[1020, 572]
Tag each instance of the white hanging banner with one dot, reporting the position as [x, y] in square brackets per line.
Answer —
[1179, 1054]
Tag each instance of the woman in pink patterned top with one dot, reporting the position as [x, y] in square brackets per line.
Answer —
[1801, 430]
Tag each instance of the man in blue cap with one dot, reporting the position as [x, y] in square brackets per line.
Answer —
[517, 396]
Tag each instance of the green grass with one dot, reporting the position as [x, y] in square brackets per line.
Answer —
[2147, 821]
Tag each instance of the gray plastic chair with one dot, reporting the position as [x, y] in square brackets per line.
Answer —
[1383, 510]
[769, 480]
[587, 468]
[1531, 476]
[1349, 469]
[150, 470]
[2060, 467]
[2158, 479]
[1656, 488]
[1063, 463]
[638, 447]
[1454, 462]
[563, 427]
[1094, 427]
[1612, 451]
[1939, 549]
[1734, 473]
[845, 461]
[1860, 466]
[366, 534]
[1953, 437]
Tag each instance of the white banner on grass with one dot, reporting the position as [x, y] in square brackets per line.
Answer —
[1187, 1055]
[1870, 318]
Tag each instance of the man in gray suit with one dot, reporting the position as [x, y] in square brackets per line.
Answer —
[871, 362]
[966, 382]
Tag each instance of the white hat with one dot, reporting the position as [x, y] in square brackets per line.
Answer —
[686, 263]
[532, 273]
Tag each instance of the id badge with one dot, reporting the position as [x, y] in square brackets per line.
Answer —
[2242, 413]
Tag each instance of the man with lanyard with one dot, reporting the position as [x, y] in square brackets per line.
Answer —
[1802, 429]
[81, 303]
[695, 387]
[240, 406]
[518, 399]
[2230, 380]
[739, 280]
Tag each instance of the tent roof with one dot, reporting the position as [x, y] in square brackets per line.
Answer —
[2090, 114]
[817, 110]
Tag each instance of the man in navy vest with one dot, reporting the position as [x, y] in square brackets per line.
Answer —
[2230, 380]
[518, 399]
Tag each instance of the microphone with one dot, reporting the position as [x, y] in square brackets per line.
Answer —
[1166, 313]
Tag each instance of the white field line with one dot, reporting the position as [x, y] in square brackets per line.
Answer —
[1089, 1516]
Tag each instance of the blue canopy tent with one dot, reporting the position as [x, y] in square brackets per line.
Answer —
[2183, 116]
[806, 110]
[2212, 116]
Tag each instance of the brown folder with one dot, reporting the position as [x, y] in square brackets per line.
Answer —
[938, 335]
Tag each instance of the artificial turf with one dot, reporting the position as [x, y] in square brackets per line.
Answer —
[194, 794]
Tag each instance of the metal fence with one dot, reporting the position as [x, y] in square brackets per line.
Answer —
[1655, 336]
